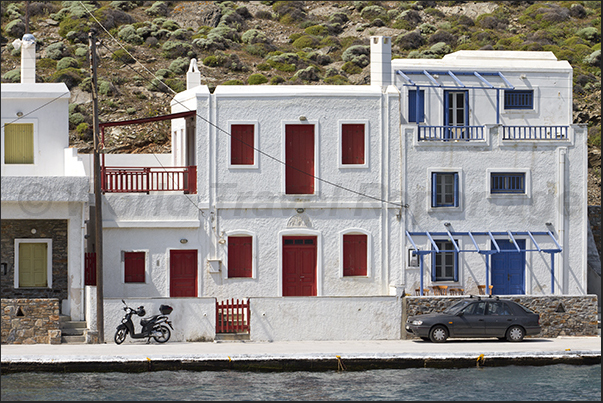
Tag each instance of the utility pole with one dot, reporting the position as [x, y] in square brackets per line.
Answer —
[98, 202]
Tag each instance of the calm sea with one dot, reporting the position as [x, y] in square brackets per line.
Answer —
[512, 383]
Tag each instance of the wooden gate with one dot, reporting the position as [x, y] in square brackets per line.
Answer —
[232, 317]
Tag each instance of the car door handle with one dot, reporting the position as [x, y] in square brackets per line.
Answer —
[481, 320]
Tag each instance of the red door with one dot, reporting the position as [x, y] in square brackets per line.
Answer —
[299, 154]
[183, 273]
[299, 266]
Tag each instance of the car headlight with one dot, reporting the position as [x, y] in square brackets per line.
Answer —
[417, 322]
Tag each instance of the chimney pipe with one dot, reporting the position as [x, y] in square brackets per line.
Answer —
[28, 59]
[193, 76]
[381, 60]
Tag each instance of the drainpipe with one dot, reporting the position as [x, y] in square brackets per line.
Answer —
[561, 218]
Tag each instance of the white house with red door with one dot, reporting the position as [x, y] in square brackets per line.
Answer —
[325, 204]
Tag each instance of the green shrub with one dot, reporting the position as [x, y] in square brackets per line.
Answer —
[158, 8]
[180, 65]
[46, 63]
[15, 28]
[83, 129]
[218, 60]
[256, 79]
[263, 66]
[257, 49]
[105, 88]
[254, 36]
[317, 30]
[67, 62]
[55, 51]
[337, 79]
[351, 68]
[173, 50]
[120, 55]
[233, 82]
[306, 41]
[373, 12]
[81, 51]
[75, 119]
[276, 80]
[70, 76]
[128, 34]
[131, 111]
[176, 84]
[170, 25]
[12, 76]
[590, 34]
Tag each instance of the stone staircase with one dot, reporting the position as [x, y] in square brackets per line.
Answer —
[220, 337]
[72, 331]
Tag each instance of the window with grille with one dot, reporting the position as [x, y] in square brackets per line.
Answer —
[503, 183]
[19, 143]
[242, 144]
[355, 255]
[519, 99]
[445, 189]
[445, 262]
[352, 144]
[240, 256]
[134, 267]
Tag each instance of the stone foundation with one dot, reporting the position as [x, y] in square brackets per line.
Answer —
[560, 315]
[30, 321]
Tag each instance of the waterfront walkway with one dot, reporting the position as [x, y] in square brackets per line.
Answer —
[298, 355]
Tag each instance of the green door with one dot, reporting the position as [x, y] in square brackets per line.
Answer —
[33, 264]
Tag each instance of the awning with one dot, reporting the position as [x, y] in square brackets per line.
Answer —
[492, 235]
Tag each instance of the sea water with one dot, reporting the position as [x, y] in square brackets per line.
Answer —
[510, 383]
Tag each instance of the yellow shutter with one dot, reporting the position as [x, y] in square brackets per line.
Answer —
[18, 143]
[33, 264]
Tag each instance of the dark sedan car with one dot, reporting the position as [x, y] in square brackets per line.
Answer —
[477, 317]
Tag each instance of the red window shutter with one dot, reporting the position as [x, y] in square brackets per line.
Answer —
[299, 152]
[134, 267]
[354, 255]
[239, 256]
[241, 144]
[352, 144]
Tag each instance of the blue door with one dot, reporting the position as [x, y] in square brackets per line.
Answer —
[508, 268]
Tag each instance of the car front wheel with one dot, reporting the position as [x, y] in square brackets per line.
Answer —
[515, 333]
[438, 334]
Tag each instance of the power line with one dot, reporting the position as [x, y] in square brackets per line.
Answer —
[229, 134]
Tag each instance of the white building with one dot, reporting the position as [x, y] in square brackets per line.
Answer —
[337, 191]
[44, 193]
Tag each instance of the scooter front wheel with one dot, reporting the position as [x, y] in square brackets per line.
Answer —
[164, 336]
[120, 336]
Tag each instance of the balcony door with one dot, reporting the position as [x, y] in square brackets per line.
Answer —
[456, 114]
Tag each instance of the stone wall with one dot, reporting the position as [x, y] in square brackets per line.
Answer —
[560, 315]
[22, 229]
[30, 321]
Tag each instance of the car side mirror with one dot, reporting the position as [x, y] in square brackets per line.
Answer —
[461, 313]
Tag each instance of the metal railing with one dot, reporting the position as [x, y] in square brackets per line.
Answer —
[451, 133]
[535, 132]
[232, 317]
[149, 179]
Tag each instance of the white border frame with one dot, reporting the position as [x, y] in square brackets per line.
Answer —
[369, 250]
[255, 125]
[431, 209]
[513, 113]
[48, 242]
[36, 139]
[122, 264]
[528, 183]
[300, 232]
[254, 255]
[340, 124]
[284, 124]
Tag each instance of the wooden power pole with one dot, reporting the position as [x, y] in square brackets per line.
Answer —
[98, 202]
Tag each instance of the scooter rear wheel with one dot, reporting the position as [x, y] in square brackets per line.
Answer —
[120, 336]
[165, 334]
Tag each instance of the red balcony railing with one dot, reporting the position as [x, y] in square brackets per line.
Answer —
[149, 179]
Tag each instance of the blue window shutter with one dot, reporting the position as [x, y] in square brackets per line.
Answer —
[456, 190]
[433, 267]
[412, 106]
[456, 266]
[434, 190]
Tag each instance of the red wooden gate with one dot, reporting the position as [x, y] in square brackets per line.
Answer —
[232, 317]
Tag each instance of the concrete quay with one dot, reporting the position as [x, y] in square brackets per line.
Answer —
[137, 356]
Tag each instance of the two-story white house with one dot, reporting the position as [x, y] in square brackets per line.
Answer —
[45, 192]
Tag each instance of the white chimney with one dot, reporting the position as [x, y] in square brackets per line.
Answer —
[381, 60]
[193, 76]
[28, 59]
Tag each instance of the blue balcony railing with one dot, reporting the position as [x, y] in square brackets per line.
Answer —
[451, 133]
[535, 132]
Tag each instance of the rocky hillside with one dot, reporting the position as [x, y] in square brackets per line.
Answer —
[146, 47]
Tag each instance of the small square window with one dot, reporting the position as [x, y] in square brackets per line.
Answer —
[445, 189]
[508, 183]
[134, 267]
[519, 99]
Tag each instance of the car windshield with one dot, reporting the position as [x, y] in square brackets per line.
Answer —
[451, 310]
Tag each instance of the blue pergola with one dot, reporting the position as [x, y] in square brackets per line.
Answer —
[454, 75]
[510, 234]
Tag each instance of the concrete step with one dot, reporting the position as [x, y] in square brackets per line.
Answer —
[72, 331]
[73, 339]
[220, 337]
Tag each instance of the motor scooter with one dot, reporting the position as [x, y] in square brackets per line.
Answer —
[151, 327]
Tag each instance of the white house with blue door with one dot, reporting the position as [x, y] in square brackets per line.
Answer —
[494, 173]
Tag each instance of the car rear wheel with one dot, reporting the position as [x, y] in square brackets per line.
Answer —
[438, 334]
[515, 333]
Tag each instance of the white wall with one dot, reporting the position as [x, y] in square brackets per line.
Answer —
[326, 318]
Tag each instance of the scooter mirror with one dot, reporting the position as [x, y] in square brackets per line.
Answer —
[123, 301]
